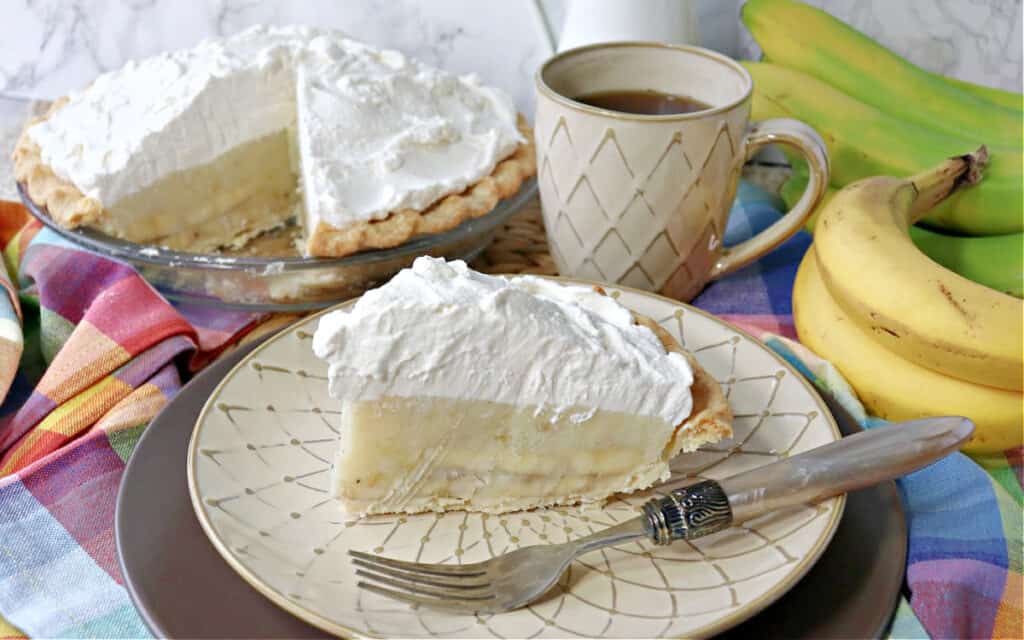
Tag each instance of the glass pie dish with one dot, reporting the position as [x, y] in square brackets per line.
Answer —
[270, 275]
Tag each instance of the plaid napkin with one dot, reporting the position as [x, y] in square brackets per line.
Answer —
[101, 353]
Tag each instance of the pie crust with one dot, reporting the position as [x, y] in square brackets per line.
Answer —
[711, 417]
[70, 208]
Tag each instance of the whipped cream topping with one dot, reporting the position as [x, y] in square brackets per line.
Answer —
[378, 132]
[381, 133]
[439, 329]
[171, 112]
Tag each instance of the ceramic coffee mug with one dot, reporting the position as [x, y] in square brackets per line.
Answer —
[643, 200]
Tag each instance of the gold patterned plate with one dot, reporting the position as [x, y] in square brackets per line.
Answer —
[259, 467]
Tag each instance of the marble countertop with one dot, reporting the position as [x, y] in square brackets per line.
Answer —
[13, 113]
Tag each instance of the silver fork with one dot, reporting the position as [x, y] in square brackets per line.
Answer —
[517, 578]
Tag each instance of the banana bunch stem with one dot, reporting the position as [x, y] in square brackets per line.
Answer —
[936, 184]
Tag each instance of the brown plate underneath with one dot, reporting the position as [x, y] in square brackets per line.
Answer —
[184, 589]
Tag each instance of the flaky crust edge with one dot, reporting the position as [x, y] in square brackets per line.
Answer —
[711, 417]
[477, 200]
[66, 204]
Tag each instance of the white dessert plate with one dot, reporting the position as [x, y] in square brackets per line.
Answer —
[259, 464]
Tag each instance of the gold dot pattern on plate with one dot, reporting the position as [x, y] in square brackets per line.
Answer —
[261, 473]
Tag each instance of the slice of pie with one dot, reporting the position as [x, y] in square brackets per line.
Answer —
[210, 146]
[466, 391]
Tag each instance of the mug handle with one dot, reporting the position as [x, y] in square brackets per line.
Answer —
[810, 145]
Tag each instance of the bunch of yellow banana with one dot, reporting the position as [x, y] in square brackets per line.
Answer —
[881, 115]
[873, 296]
[912, 337]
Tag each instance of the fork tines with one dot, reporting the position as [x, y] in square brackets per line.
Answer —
[465, 588]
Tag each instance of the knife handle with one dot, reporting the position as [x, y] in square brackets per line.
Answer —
[861, 460]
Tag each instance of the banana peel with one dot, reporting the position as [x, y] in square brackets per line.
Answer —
[994, 261]
[892, 387]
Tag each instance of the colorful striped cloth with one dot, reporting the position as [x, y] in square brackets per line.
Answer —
[101, 353]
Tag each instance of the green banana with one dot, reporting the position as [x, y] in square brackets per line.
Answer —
[812, 41]
[794, 187]
[1006, 99]
[994, 261]
[864, 141]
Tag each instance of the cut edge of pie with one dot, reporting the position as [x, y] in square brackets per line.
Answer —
[424, 488]
[245, 218]
[711, 417]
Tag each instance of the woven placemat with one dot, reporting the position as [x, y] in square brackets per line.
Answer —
[520, 246]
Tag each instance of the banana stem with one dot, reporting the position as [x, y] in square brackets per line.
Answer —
[936, 184]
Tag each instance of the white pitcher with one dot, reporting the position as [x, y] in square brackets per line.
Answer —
[589, 21]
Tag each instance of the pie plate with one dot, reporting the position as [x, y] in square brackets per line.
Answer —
[259, 464]
[284, 281]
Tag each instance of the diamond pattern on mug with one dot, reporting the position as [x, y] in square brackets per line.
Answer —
[685, 230]
[582, 205]
[671, 176]
[612, 256]
[560, 159]
[571, 249]
[637, 278]
[628, 214]
[660, 257]
[609, 160]
[638, 224]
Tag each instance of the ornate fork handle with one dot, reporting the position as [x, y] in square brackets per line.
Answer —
[691, 512]
[854, 462]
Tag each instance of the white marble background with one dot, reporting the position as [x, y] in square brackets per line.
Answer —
[975, 40]
[53, 46]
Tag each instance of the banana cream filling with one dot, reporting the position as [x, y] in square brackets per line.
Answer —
[248, 190]
[409, 454]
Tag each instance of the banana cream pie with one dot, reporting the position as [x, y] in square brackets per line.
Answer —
[466, 391]
[209, 146]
